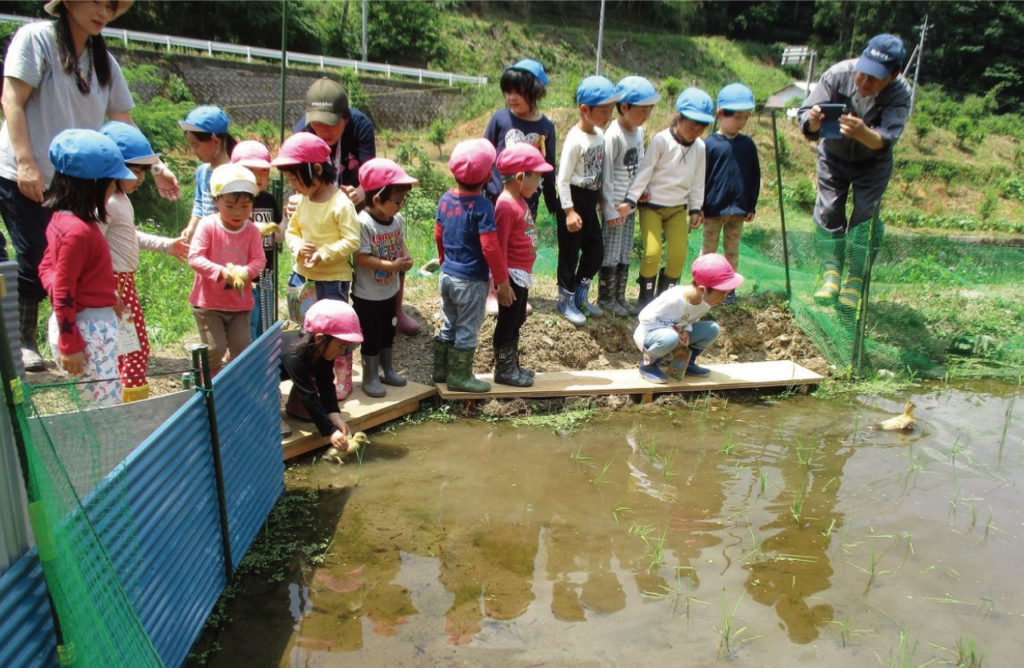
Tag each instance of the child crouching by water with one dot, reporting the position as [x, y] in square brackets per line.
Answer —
[671, 324]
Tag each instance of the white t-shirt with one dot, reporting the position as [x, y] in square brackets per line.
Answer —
[672, 174]
[623, 152]
[581, 164]
[669, 309]
[56, 104]
[124, 239]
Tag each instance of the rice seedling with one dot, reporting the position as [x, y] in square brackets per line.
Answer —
[619, 510]
[902, 656]
[652, 450]
[579, 457]
[728, 632]
[967, 654]
[828, 532]
[804, 453]
[1006, 428]
[796, 509]
[656, 551]
[667, 469]
[676, 592]
[757, 542]
[729, 444]
[600, 478]
[763, 481]
[641, 530]
[844, 629]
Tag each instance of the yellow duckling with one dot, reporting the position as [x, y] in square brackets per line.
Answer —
[267, 228]
[355, 441]
[902, 422]
[239, 276]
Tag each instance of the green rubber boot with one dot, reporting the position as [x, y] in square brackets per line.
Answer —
[440, 371]
[460, 371]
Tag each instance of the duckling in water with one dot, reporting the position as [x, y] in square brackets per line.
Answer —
[355, 441]
[903, 422]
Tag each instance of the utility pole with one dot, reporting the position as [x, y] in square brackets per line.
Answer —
[600, 39]
[364, 31]
[919, 51]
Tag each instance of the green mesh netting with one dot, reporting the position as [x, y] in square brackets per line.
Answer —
[66, 462]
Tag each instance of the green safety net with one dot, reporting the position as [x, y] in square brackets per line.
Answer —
[936, 307]
[69, 450]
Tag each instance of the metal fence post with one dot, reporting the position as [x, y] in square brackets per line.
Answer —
[201, 361]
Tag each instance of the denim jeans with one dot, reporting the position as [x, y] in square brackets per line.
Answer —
[463, 307]
[26, 223]
[324, 289]
[660, 342]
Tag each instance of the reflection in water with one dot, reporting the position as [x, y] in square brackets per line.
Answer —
[491, 544]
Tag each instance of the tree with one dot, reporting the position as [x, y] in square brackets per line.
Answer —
[437, 134]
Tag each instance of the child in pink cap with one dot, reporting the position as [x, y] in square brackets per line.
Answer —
[266, 213]
[380, 259]
[468, 248]
[522, 168]
[671, 324]
[323, 233]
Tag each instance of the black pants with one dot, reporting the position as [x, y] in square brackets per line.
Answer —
[580, 253]
[26, 223]
[511, 318]
[377, 320]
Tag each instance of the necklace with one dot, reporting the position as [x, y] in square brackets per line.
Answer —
[84, 82]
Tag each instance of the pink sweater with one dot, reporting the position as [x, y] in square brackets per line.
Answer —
[214, 246]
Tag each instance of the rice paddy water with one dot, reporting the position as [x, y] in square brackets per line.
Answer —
[757, 534]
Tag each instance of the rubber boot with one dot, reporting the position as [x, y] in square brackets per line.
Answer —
[460, 371]
[606, 291]
[130, 394]
[567, 307]
[529, 373]
[692, 368]
[858, 255]
[387, 367]
[679, 361]
[832, 251]
[646, 291]
[650, 372]
[343, 376]
[621, 278]
[440, 371]
[28, 321]
[371, 377]
[406, 323]
[505, 370]
[582, 295]
[664, 282]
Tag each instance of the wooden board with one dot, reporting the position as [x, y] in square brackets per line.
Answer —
[628, 381]
[360, 411]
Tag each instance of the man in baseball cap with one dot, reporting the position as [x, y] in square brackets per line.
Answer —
[875, 99]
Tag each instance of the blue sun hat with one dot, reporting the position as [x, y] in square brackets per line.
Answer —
[532, 66]
[87, 154]
[206, 118]
[735, 97]
[695, 104]
[135, 148]
[596, 90]
[637, 91]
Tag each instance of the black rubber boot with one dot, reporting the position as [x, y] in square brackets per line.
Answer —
[606, 292]
[646, 291]
[505, 370]
[621, 278]
[526, 372]
[664, 282]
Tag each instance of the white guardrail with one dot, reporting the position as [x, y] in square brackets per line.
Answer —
[250, 52]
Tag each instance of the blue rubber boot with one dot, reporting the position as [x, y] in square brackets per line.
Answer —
[650, 372]
[692, 368]
[582, 303]
[567, 307]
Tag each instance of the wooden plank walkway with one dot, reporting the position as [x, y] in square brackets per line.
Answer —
[781, 373]
[360, 411]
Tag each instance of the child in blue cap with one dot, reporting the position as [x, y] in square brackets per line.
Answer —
[206, 131]
[76, 270]
[125, 240]
[623, 151]
[580, 173]
[733, 176]
[671, 175]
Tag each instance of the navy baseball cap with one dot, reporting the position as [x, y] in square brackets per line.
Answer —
[87, 154]
[206, 118]
[637, 91]
[885, 54]
[533, 67]
[596, 90]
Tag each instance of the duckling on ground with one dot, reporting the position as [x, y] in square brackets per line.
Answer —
[902, 422]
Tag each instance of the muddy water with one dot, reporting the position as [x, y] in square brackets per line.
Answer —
[759, 534]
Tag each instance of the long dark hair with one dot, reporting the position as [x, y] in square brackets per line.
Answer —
[306, 346]
[227, 140]
[66, 50]
[86, 198]
[304, 172]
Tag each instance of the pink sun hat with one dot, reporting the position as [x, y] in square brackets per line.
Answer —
[471, 161]
[713, 271]
[522, 157]
[300, 148]
[251, 153]
[377, 173]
